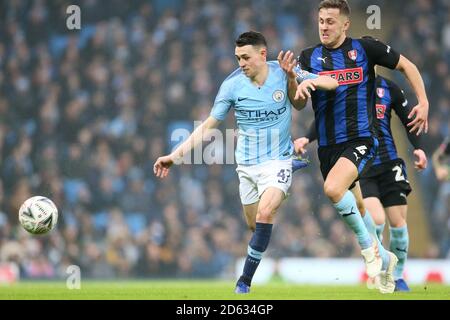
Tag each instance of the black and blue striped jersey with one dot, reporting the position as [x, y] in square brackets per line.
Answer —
[390, 97]
[348, 112]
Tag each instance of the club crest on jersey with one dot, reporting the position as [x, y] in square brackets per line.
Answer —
[352, 54]
[380, 92]
[381, 110]
[278, 96]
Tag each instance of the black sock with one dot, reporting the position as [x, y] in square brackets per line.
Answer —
[258, 244]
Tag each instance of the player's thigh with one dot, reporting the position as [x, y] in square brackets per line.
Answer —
[272, 198]
[269, 203]
[250, 211]
[340, 178]
[397, 215]
[362, 154]
[374, 206]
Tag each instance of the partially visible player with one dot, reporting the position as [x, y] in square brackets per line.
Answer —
[440, 165]
[260, 93]
[385, 185]
[344, 122]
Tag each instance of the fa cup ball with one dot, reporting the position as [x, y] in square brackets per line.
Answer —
[38, 215]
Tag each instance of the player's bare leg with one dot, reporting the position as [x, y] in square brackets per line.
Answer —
[268, 205]
[339, 179]
[399, 242]
[250, 211]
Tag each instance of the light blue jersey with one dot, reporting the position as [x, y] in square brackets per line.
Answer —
[263, 115]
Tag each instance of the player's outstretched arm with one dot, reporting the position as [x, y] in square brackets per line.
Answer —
[311, 83]
[419, 113]
[325, 83]
[161, 168]
[299, 93]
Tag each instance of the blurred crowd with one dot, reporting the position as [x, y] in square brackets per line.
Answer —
[85, 113]
[423, 35]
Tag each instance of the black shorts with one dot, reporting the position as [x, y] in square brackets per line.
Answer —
[361, 152]
[387, 182]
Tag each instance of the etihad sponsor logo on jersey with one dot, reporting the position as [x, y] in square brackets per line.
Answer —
[263, 115]
[381, 110]
[345, 76]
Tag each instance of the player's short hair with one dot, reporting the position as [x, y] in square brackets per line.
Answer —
[342, 5]
[251, 38]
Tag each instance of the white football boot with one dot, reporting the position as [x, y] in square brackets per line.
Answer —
[373, 283]
[387, 282]
[372, 259]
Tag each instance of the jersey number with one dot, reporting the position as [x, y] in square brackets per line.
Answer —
[361, 149]
[284, 175]
[398, 173]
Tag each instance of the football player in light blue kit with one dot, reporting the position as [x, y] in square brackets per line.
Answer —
[260, 93]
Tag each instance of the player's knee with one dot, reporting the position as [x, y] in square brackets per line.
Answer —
[265, 214]
[333, 191]
[398, 223]
[379, 219]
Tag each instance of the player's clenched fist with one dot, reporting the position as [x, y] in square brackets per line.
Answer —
[162, 165]
[421, 162]
[300, 145]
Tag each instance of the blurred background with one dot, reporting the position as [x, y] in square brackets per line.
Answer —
[85, 113]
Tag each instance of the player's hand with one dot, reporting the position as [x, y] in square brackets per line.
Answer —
[441, 173]
[420, 115]
[162, 165]
[422, 161]
[300, 145]
[304, 89]
[287, 63]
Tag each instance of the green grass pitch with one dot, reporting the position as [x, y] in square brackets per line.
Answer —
[206, 290]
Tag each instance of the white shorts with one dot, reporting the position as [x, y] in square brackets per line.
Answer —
[255, 179]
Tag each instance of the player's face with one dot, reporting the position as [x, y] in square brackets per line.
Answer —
[251, 59]
[332, 27]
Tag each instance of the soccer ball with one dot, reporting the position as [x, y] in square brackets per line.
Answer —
[38, 215]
